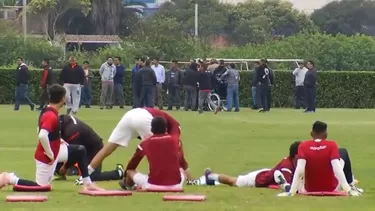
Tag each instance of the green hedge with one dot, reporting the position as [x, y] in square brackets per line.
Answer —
[336, 89]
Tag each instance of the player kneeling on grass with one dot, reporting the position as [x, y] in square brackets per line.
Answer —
[319, 164]
[49, 146]
[76, 132]
[163, 154]
[280, 175]
[136, 122]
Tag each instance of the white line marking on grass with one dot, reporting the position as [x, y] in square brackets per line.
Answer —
[16, 148]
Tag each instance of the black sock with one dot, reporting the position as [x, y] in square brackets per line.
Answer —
[78, 153]
[105, 176]
[348, 166]
[58, 167]
[26, 183]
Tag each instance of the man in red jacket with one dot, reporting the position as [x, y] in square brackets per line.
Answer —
[46, 82]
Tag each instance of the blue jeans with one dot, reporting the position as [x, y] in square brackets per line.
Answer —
[86, 96]
[21, 95]
[232, 98]
[254, 94]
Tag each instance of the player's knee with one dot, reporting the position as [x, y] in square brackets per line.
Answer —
[130, 173]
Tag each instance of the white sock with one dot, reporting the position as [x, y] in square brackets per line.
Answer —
[86, 181]
[213, 176]
[91, 169]
[120, 173]
[13, 178]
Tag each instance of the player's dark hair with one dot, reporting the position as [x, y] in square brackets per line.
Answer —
[147, 63]
[158, 125]
[46, 61]
[319, 127]
[311, 62]
[20, 58]
[293, 149]
[232, 65]
[56, 93]
[86, 62]
[175, 61]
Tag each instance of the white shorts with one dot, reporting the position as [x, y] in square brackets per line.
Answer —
[248, 180]
[141, 180]
[136, 122]
[44, 172]
[63, 153]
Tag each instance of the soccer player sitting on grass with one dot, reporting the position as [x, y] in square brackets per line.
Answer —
[49, 146]
[136, 122]
[76, 132]
[163, 154]
[280, 175]
[318, 167]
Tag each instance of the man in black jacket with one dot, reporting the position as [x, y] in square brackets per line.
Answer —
[145, 81]
[22, 85]
[205, 81]
[174, 84]
[46, 82]
[72, 77]
[263, 80]
[76, 132]
[254, 85]
[190, 86]
[310, 87]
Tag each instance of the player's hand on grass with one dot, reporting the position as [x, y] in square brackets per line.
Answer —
[285, 194]
[51, 158]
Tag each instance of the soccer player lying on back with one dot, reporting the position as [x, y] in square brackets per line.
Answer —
[319, 164]
[76, 132]
[163, 154]
[280, 175]
[136, 122]
[49, 146]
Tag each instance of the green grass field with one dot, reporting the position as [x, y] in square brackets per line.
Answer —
[231, 143]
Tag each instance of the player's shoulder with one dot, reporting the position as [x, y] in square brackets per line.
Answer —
[331, 143]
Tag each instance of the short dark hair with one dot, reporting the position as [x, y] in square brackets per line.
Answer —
[175, 61]
[319, 127]
[56, 93]
[20, 58]
[46, 61]
[156, 58]
[158, 125]
[142, 59]
[119, 58]
[86, 62]
[293, 149]
[221, 61]
[147, 62]
[264, 61]
[301, 62]
[258, 63]
[311, 62]
[109, 57]
[232, 65]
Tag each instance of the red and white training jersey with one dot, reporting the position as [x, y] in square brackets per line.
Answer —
[49, 121]
[319, 175]
[172, 124]
[266, 178]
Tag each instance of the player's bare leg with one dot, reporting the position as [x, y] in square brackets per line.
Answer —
[107, 150]
[211, 178]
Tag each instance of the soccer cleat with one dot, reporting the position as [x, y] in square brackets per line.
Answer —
[58, 177]
[120, 169]
[78, 181]
[207, 172]
[280, 180]
[355, 188]
[261, 110]
[125, 187]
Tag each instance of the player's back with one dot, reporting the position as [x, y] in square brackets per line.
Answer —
[319, 175]
[173, 125]
[266, 178]
[162, 152]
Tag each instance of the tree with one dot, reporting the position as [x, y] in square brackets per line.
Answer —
[50, 11]
[346, 17]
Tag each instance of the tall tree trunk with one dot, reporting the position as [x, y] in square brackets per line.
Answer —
[105, 16]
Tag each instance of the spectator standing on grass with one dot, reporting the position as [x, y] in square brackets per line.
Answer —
[118, 94]
[270, 84]
[145, 80]
[174, 84]
[263, 81]
[72, 77]
[299, 92]
[205, 79]
[139, 63]
[310, 87]
[190, 86]
[22, 85]
[107, 72]
[254, 86]
[160, 78]
[86, 94]
[232, 77]
[45, 83]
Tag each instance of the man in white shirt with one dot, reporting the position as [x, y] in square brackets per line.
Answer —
[299, 91]
[160, 78]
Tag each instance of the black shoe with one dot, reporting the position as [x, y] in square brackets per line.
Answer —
[32, 107]
[169, 109]
[87, 106]
[101, 108]
[122, 107]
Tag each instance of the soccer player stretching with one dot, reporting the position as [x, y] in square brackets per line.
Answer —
[49, 146]
[163, 154]
[280, 175]
[319, 163]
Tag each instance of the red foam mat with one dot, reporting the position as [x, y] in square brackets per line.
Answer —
[161, 189]
[324, 194]
[26, 198]
[198, 198]
[274, 187]
[106, 193]
[21, 188]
